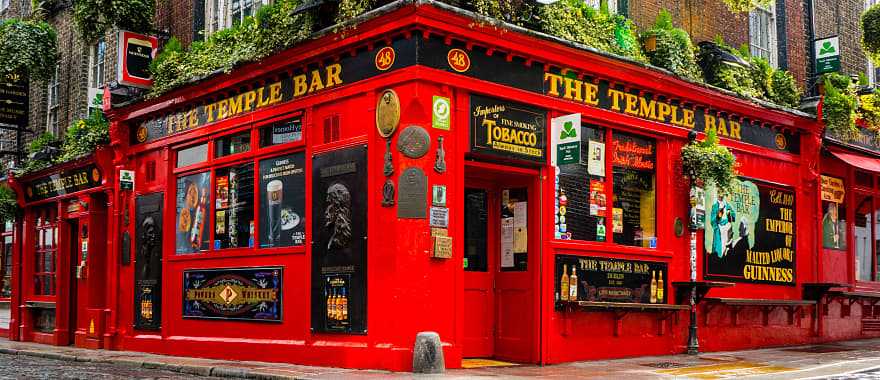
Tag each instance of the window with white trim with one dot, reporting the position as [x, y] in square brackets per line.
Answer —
[597, 4]
[4, 5]
[222, 14]
[52, 104]
[97, 54]
[762, 33]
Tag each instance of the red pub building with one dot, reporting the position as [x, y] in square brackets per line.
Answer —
[520, 195]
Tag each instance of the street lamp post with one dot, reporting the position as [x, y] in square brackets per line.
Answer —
[697, 220]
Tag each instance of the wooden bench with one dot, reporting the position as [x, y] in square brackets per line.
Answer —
[621, 309]
[792, 307]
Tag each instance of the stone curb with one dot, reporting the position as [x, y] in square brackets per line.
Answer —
[207, 371]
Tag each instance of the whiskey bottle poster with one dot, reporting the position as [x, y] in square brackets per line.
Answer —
[148, 262]
[600, 279]
[339, 245]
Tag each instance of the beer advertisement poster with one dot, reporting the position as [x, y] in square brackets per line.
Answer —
[282, 200]
[251, 294]
[507, 129]
[148, 262]
[193, 195]
[339, 248]
[750, 234]
[599, 279]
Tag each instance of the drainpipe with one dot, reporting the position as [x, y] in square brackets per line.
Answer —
[810, 13]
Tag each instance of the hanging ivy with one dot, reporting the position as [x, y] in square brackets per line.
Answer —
[85, 135]
[871, 32]
[8, 204]
[708, 162]
[94, 17]
[744, 6]
[272, 29]
[28, 47]
[576, 21]
[839, 106]
[670, 48]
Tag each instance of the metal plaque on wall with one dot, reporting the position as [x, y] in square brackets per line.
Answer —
[412, 198]
[414, 141]
[339, 246]
[148, 262]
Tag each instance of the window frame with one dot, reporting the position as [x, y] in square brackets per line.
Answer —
[772, 39]
[254, 157]
[45, 220]
[608, 131]
[219, 14]
[97, 71]
[873, 192]
[4, 5]
[53, 104]
[6, 256]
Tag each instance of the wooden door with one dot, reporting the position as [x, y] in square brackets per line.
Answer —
[479, 298]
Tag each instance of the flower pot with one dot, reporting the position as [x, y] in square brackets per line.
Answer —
[650, 44]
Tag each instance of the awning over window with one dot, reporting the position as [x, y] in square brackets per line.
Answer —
[858, 160]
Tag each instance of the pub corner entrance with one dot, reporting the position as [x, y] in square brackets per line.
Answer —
[502, 241]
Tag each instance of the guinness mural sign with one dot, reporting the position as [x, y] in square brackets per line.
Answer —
[507, 129]
[64, 182]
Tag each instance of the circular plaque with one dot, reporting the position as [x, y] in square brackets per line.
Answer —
[387, 113]
[414, 141]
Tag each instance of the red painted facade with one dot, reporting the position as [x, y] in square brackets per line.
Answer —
[407, 290]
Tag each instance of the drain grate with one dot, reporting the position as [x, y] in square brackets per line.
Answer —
[666, 365]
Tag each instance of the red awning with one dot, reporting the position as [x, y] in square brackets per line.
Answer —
[858, 160]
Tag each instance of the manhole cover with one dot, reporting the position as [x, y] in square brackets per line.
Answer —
[665, 365]
[820, 349]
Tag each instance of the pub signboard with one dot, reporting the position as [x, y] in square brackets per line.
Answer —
[507, 129]
[14, 101]
[600, 279]
[250, 294]
[64, 182]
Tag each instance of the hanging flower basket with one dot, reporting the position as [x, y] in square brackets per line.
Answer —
[706, 162]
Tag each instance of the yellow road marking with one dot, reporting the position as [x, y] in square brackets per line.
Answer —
[481, 363]
[726, 370]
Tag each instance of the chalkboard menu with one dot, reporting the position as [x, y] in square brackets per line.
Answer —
[600, 279]
[751, 234]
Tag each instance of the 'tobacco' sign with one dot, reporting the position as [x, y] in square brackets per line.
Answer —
[136, 52]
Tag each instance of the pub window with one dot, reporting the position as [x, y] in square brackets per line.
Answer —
[6, 256]
[192, 155]
[234, 207]
[833, 219]
[281, 132]
[193, 195]
[864, 237]
[234, 144]
[633, 217]
[4, 5]
[45, 252]
[592, 205]
[476, 230]
[762, 33]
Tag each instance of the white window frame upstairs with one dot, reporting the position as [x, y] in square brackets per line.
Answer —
[762, 33]
[4, 5]
[97, 59]
[52, 104]
[223, 14]
[597, 4]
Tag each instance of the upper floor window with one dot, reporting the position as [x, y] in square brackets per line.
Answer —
[96, 71]
[873, 71]
[52, 104]
[4, 5]
[612, 5]
[762, 33]
[222, 14]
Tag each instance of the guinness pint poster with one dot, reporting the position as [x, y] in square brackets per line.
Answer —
[507, 129]
[339, 245]
[600, 279]
[282, 196]
[750, 234]
[148, 262]
[251, 294]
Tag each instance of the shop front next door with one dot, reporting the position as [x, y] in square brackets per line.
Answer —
[500, 259]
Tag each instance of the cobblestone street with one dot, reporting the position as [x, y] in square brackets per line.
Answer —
[30, 367]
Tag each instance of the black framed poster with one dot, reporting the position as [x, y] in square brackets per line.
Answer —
[339, 244]
[283, 201]
[148, 262]
[750, 234]
[601, 279]
[250, 294]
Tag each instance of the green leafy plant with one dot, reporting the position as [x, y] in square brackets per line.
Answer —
[743, 6]
[349, 9]
[28, 47]
[839, 107]
[672, 48]
[272, 29]
[40, 153]
[94, 17]
[8, 204]
[709, 162]
[871, 32]
[785, 90]
[576, 21]
[84, 136]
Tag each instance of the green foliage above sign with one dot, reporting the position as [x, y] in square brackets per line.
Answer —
[28, 47]
[708, 162]
[871, 32]
[670, 48]
[94, 17]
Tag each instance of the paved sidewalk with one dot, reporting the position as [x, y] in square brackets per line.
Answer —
[778, 363]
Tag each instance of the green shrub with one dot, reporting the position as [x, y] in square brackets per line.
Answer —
[709, 162]
[785, 90]
[576, 21]
[839, 108]
[28, 47]
[94, 17]
[871, 32]
[8, 204]
[743, 6]
[84, 136]
[673, 50]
